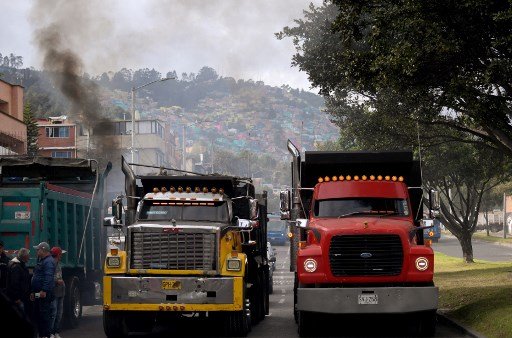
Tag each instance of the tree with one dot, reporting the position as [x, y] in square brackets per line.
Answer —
[32, 130]
[440, 62]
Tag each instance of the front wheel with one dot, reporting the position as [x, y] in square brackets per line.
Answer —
[114, 324]
[427, 324]
[305, 323]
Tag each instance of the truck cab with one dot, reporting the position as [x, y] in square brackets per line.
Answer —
[359, 241]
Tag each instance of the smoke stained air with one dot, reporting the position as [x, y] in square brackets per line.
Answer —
[66, 69]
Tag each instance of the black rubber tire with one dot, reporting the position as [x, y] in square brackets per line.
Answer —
[237, 323]
[295, 311]
[114, 325]
[427, 323]
[140, 322]
[271, 285]
[72, 311]
[305, 328]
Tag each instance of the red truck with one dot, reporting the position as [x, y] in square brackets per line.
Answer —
[357, 246]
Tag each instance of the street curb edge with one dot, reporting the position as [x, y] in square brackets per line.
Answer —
[442, 318]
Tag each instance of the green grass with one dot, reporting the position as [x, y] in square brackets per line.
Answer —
[478, 295]
[492, 238]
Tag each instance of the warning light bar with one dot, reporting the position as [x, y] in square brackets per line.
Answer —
[360, 178]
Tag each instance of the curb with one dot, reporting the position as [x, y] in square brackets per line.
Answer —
[444, 319]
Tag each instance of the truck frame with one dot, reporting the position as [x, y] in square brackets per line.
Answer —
[194, 245]
[357, 245]
[59, 201]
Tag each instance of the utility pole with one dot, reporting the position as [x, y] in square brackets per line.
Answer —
[183, 150]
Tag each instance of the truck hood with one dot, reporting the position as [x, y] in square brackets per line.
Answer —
[363, 225]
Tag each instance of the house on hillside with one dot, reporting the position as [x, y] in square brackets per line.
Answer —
[13, 132]
[57, 137]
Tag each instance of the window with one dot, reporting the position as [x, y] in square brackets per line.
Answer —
[357, 206]
[61, 154]
[193, 211]
[53, 132]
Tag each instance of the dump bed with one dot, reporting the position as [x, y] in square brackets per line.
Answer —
[335, 163]
[46, 199]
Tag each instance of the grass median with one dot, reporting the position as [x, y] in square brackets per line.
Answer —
[478, 295]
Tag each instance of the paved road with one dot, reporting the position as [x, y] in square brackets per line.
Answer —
[488, 251]
[279, 323]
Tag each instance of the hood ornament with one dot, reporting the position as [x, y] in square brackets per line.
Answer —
[365, 224]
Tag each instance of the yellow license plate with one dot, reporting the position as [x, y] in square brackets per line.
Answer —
[169, 284]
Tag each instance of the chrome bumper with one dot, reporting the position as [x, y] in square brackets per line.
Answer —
[346, 300]
[192, 290]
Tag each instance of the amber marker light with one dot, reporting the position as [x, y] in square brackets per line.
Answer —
[205, 190]
[164, 189]
[356, 178]
[320, 180]
[290, 235]
[188, 189]
[400, 179]
[327, 179]
[180, 189]
[334, 178]
[341, 178]
[348, 178]
[214, 190]
[372, 178]
[173, 189]
[196, 190]
[387, 178]
[155, 190]
[394, 178]
[221, 191]
[364, 178]
[114, 251]
[379, 177]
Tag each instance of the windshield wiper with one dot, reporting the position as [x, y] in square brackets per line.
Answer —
[394, 213]
[353, 213]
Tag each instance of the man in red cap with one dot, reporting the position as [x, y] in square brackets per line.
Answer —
[59, 291]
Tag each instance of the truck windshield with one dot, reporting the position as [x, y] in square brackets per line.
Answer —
[356, 206]
[194, 211]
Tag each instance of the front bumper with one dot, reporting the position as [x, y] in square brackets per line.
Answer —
[346, 300]
[193, 293]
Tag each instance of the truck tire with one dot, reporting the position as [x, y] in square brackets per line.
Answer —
[114, 324]
[295, 286]
[427, 324]
[72, 311]
[259, 294]
[306, 324]
[140, 321]
[238, 323]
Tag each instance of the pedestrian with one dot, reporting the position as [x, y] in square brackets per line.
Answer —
[42, 287]
[4, 261]
[18, 282]
[59, 292]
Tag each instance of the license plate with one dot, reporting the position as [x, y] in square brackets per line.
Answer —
[170, 284]
[369, 299]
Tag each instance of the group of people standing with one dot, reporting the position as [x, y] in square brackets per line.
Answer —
[39, 297]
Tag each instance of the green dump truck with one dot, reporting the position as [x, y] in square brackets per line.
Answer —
[60, 201]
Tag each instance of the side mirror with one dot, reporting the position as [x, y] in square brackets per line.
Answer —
[117, 209]
[302, 223]
[434, 200]
[253, 205]
[285, 198]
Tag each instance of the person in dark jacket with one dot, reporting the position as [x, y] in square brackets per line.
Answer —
[18, 282]
[42, 288]
[4, 261]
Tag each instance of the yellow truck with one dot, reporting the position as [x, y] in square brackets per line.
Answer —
[188, 245]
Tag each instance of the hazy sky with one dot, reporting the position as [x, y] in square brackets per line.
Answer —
[235, 37]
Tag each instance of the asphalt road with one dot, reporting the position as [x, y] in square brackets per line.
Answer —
[484, 250]
[279, 323]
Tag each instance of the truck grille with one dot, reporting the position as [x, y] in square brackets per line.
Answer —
[181, 251]
[366, 255]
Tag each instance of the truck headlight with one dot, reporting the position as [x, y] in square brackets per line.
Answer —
[234, 264]
[114, 262]
[421, 263]
[310, 265]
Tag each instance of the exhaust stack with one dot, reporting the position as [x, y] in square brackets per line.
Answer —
[296, 211]
[130, 187]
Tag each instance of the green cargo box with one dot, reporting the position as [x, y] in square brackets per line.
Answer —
[59, 201]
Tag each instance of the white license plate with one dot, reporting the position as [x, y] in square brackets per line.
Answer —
[369, 299]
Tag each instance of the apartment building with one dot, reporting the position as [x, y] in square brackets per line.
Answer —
[13, 132]
[57, 137]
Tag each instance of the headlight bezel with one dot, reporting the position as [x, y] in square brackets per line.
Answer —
[310, 265]
[111, 261]
[234, 264]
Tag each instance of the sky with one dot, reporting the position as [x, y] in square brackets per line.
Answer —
[235, 37]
